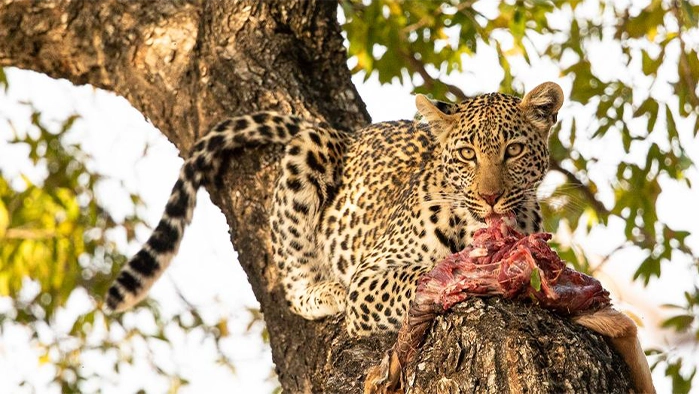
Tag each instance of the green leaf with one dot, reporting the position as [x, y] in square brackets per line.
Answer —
[649, 267]
[650, 66]
[650, 108]
[679, 322]
[646, 23]
[535, 279]
[671, 126]
[690, 12]
[3, 79]
[4, 218]
[680, 383]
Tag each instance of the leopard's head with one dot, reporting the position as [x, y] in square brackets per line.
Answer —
[495, 146]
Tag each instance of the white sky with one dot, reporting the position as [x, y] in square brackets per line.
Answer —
[206, 270]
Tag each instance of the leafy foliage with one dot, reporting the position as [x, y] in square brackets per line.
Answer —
[52, 227]
[56, 244]
[639, 106]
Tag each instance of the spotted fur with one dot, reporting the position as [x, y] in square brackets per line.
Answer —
[358, 217]
[202, 167]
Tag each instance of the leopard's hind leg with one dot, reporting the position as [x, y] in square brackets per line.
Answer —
[312, 170]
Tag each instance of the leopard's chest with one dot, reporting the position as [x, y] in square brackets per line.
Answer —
[397, 222]
[353, 225]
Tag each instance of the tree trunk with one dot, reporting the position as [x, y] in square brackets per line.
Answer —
[186, 65]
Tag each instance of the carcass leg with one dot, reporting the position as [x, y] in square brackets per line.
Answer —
[621, 332]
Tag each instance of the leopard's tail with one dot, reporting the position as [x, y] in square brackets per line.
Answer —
[204, 165]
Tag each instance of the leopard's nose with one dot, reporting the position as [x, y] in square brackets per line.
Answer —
[491, 199]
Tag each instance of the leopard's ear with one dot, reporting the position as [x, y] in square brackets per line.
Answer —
[437, 113]
[541, 105]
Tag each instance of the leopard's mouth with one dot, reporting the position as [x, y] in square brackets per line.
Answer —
[508, 218]
[487, 214]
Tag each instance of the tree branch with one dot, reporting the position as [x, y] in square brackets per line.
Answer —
[589, 194]
[419, 67]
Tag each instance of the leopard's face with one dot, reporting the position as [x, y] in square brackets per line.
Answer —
[495, 147]
[493, 156]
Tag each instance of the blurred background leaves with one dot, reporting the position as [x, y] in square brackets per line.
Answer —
[54, 234]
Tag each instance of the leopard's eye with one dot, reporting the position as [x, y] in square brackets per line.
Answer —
[514, 150]
[466, 154]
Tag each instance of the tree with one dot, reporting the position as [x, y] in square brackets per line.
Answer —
[187, 65]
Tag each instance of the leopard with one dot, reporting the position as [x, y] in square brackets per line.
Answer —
[358, 217]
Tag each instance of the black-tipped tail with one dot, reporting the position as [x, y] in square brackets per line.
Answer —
[141, 272]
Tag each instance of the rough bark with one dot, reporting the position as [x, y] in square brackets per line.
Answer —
[186, 65]
[498, 346]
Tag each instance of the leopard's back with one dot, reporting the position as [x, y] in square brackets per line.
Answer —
[382, 159]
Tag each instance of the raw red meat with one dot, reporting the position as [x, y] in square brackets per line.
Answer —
[502, 261]
[499, 261]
